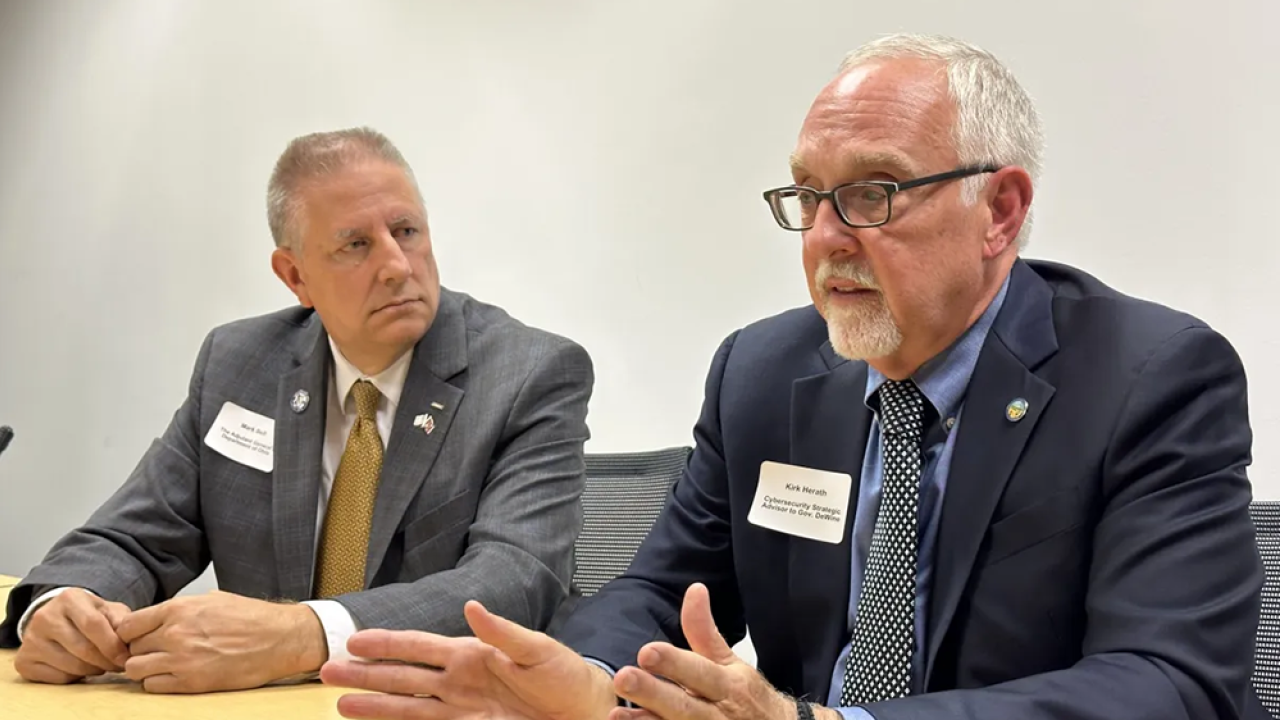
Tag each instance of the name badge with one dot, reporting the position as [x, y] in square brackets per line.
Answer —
[243, 436]
[801, 501]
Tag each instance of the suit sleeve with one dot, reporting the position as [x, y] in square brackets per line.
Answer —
[690, 542]
[519, 556]
[1175, 581]
[147, 541]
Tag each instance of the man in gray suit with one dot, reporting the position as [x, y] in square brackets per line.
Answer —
[371, 459]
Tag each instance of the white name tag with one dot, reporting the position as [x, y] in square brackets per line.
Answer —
[243, 436]
[801, 501]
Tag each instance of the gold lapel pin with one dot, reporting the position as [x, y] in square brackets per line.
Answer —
[1016, 410]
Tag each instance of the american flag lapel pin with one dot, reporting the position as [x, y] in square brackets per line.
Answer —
[425, 422]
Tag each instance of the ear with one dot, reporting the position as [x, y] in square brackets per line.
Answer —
[287, 266]
[1009, 200]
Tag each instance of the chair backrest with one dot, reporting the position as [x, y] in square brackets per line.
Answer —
[1266, 671]
[625, 492]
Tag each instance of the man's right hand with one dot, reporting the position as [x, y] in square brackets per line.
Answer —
[505, 673]
[71, 637]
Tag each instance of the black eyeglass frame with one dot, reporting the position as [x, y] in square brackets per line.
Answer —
[774, 196]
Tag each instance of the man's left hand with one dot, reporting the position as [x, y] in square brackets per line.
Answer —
[220, 641]
[707, 682]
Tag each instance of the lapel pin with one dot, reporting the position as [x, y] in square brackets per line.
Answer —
[300, 401]
[1016, 410]
[425, 422]
[437, 406]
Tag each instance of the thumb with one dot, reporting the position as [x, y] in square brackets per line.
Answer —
[524, 646]
[700, 627]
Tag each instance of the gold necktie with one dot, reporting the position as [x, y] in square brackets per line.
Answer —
[345, 543]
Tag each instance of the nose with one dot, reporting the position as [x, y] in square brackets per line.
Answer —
[393, 265]
[830, 237]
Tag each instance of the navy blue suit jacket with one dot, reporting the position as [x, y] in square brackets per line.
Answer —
[1094, 561]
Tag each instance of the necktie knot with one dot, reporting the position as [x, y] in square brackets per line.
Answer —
[366, 399]
[901, 408]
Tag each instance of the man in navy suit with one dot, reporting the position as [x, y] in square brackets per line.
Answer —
[960, 485]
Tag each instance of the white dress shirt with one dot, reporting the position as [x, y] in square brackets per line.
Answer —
[340, 416]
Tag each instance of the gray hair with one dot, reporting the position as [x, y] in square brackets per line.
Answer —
[996, 122]
[314, 156]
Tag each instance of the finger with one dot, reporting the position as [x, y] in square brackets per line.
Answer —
[44, 673]
[393, 678]
[142, 622]
[687, 669]
[700, 626]
[51, 652]
[631, 714]
[395, 707]
[664, 699]
[76, 644]
[93, 625]
[142, 666]
[409, 646]
[115, 614]
[165, 684]
[526, 647]
[149, 644]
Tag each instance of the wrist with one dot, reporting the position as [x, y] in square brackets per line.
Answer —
[603, 698]
[791, 708]
[793, 711]
[305, 646]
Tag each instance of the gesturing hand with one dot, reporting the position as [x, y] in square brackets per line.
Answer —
[71, 637]
[505, 673]
[707, 682]
[220, 641]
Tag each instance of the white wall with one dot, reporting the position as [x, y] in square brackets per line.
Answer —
[595, 167]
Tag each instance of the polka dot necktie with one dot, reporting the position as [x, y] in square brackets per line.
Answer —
[349, 517]
[879, 666]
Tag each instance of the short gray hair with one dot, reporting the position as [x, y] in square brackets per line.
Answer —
[313, 156]
[996, 121]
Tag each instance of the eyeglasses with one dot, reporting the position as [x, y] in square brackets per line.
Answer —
[864, 204]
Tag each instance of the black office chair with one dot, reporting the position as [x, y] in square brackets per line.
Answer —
[624, 494]
[1266, 670]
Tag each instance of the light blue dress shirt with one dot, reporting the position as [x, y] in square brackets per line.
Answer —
[943, 380]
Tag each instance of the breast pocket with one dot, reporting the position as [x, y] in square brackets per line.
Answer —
[431, 536]
[1044, 520]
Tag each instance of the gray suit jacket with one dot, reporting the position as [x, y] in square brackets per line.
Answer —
[487, 506]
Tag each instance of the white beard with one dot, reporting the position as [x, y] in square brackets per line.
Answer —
[863, 329]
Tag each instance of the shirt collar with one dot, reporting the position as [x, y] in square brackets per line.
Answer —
[945, 377]
[390, 382]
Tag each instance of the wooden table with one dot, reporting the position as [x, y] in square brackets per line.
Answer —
[123, 700]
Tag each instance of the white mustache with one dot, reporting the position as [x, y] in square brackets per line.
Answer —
[846, 270]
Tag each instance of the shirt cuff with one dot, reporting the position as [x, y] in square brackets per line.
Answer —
[855, 713]
[622, 702]
[35, 605]
[337, 624]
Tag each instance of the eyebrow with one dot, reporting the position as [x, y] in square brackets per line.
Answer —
[406, 219]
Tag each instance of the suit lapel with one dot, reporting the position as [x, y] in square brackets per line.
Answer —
[299, 440]
[829, 426]
[411, 451]
[990, 444]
